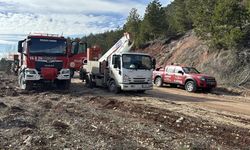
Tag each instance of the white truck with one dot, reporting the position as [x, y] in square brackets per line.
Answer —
[118, 69]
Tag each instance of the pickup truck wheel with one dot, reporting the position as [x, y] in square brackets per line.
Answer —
[190, 86]
[113, 87]
[158, 82]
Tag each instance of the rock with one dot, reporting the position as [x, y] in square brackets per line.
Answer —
[27, 141]
[180, 120]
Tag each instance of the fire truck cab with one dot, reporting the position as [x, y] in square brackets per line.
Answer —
[44, 58]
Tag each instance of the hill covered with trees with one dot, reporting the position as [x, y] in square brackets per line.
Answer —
[224, 24]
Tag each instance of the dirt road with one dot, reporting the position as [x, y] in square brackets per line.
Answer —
[85, 118]
[223, 102]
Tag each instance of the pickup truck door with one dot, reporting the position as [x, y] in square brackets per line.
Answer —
[169, 74]
[179, 76]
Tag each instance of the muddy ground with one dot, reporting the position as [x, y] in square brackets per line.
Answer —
[83, 118]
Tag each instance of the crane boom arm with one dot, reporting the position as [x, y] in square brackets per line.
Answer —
[123, 45]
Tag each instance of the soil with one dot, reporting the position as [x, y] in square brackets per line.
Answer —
[83, 118]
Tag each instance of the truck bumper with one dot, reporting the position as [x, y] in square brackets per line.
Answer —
[33, 75]
[135, 87]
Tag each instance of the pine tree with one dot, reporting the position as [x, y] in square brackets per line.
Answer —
[178, 17]
[229, 19]
[133, 25]
[154, 23]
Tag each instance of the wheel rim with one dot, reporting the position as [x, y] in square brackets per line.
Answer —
[190, 87]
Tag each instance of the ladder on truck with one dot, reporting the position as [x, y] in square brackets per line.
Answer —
[123, 45]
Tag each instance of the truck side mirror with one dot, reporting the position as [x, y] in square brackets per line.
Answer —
[20, 46]
[85, 62]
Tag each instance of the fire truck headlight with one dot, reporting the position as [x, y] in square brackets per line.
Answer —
[65, 71]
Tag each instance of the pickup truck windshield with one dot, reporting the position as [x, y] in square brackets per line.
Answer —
[132, 61]
[190, 70]
[43, 46]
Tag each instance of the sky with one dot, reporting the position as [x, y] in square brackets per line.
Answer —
[73, 18]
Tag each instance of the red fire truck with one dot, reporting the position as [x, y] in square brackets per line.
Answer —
[43, 58]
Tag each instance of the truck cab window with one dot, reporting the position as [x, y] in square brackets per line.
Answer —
[178, 70]
[75, 47]
[170, 69]
[82, 48]
[116, 61]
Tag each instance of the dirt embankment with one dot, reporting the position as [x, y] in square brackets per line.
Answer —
[228, 66]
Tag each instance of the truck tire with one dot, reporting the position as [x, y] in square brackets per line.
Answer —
[158, 81]
[190, 86]
[63, 84]
[24, 85]
[113, 87]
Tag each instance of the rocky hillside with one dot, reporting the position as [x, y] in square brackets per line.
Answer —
[230, 67]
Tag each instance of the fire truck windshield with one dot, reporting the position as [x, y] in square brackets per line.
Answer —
[43, 46]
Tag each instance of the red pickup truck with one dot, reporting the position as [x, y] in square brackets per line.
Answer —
[188, 77]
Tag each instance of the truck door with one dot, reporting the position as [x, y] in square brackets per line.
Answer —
[169, 74]
[179, 75]
[116, 68]
[78, 54]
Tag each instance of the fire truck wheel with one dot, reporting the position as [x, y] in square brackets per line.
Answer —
[190, 86]
[158, 82]
[113, 87]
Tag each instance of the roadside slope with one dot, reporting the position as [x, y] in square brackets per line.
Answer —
[228, 66]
